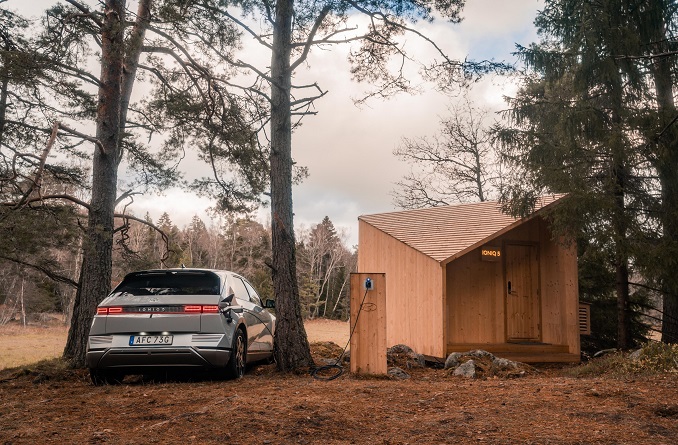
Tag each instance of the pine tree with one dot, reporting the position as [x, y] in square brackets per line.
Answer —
[573, 132]
[656, 23]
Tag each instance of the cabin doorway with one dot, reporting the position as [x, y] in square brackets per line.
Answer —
[523, 317]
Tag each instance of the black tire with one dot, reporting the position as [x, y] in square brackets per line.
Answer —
[100, 377]
[235, 368]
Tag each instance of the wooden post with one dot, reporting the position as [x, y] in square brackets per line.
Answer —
[368, 324]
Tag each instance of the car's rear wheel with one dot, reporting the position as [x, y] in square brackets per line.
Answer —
[235, 368]
[101, 377]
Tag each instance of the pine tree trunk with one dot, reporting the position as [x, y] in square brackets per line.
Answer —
[622, 290]
[95, 275]
[668, 177]
[292, 350]
[621, 264]
[669, 247]
[619, 214]
[131, 62]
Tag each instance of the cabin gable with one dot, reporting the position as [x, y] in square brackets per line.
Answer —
[414, 290]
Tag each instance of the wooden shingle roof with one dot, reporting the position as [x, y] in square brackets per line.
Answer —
[443, 233]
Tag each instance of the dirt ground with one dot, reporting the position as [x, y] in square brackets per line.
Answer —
[41, 405]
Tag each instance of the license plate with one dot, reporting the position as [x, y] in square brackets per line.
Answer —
[150, 340]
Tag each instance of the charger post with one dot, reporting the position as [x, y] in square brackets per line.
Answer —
[368, 323]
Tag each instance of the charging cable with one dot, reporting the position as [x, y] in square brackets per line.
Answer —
[336, 365]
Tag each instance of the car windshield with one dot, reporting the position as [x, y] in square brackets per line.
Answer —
[170, 283]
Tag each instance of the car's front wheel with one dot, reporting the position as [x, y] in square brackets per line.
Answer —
[235, 368]
[100, 377]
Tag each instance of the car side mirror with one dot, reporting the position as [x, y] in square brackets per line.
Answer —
[226, 302]
[269, 304]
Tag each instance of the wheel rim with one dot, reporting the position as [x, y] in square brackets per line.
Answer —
[240, 355]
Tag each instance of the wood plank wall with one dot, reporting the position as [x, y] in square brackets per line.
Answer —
[476, 294]
[414, 288]
[560, 292]
[475, 300]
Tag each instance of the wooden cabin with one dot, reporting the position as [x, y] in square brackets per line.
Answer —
[467, 276]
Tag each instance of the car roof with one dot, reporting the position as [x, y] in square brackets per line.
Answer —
[188, 270]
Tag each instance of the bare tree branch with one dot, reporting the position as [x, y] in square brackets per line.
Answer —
[92, 16]
[311, 35]
[37, 177]
[96, 141]
[49, 273]
[650, 56]
[62, 196]
[240, 23]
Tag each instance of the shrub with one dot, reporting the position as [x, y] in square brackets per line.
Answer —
[652, 358]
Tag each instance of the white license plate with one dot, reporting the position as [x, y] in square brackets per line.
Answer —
[150, 340]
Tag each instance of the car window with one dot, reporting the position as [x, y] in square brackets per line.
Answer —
[170, 283]
[254, 297]
[240, 290]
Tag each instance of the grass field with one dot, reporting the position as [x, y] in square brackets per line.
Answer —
[21, 345]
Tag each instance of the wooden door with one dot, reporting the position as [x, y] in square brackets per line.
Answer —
[521, 288]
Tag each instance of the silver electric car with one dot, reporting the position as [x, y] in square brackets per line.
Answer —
[178, 318]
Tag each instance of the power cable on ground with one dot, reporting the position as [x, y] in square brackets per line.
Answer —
[315, 372]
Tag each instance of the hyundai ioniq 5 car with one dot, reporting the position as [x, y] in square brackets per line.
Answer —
[179, 318]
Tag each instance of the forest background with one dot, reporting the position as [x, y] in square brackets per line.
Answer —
[237, 243]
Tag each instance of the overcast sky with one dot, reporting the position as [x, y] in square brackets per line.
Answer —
[348, 150]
